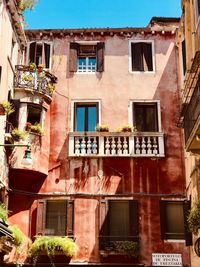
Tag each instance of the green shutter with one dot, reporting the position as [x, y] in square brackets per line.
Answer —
[100, 57]
[73, 57]
[41, 217]
[70, 217]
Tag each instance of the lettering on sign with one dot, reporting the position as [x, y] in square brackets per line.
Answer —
[166, 259]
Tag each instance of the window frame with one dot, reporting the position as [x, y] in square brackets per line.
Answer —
[133, 222]
[41, 217]
[89, 102]
[42, 43]
[141, 101]
[186, 235]
[152, 42]
[76, 45]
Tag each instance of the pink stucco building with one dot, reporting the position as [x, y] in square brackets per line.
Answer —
[119, 193]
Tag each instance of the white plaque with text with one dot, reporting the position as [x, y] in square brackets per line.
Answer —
[166, 259]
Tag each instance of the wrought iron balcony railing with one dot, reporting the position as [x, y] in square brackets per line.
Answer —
[135, 144]
[30, 78]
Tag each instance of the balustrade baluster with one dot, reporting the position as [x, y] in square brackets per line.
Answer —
[119, 146]
[155, 146]
[125, 146]
[107, 146]
[137, 145]
[89, 146]
[77, 145]
[143, 146]
[83, 147]
[113, 146]
[149, 145]
[95, 146]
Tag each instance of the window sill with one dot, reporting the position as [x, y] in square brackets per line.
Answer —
[90, 73]
[142, 72]
[174, 241]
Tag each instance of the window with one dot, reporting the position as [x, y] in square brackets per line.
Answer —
[173, 217]
[86, 58]
[145, 116]
[141, 56]
[55, 217]
[34, 114]
[119, 220]
[39, 53]
[86, 117]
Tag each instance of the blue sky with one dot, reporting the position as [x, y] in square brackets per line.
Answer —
[51, 14]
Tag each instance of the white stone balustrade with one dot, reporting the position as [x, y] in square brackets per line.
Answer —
[121, 144]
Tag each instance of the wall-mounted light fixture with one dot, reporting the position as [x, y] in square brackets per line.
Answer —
[27, 159]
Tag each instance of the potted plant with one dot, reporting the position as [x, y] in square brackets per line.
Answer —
[50, 87]
[27, 78]
[126, 128]
[28, 126]
[32, 66]
[194, 218]
[102, 128]
[129, 248]
[36, 128]
[6, 108]
[18, 134]
[49, 245]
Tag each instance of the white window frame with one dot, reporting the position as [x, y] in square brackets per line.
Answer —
[92, 101]
[153, 55]
[142, 101]
[40, 42]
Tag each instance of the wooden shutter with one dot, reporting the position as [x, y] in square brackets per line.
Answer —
[70, 217]
[188, 234]
[136, 54]
[32, 52]
[100, 57]
[162, 220]
[104, 228]
[47, 49]
[147, 56]
[73, 56]
[134, 218]
[183, 45]
[41, 217]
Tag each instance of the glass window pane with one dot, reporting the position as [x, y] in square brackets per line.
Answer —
[92, 118]
[119, 218]
[56, 218]
[80, 119]
[34, 114]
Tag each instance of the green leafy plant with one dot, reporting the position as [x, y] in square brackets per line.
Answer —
[32, 66]
[126, 128]
[36, 128]
[18, 235]
[102, 128]
[8, 107]
[49, 245]
[27, 4]
[194, 218]
[50, 87]
[3, 212]
[130, 248]
[27, 78]
[18, 134]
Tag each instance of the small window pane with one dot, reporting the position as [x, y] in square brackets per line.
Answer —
[119, 218]
[92, 118]
[39, 54]
[145, 117]
[56, 218]
[80, 119]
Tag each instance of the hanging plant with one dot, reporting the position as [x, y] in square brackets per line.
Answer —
[7, 107]
[18, 134]
[50, 245]
[3, 212]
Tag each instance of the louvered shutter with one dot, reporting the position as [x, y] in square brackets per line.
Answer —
[188, 234]
[32, 52]
[41, 217]
[147, 56]
[47, 49]
[136, 54]
[73, 57]
[134, 218]
[70, 217]
[100, 57]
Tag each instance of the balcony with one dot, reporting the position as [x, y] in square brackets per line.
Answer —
[191, 122]
[34, 81]
[137, 144]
